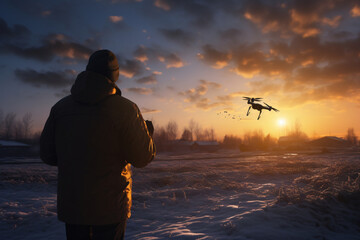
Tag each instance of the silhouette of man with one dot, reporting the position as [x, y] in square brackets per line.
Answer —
[93, 135]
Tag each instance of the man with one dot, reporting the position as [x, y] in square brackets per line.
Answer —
[93, 135]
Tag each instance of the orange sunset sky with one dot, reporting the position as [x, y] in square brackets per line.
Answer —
[192, 59]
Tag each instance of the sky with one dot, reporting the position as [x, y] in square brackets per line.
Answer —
[192, 59]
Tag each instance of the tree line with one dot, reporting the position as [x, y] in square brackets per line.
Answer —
[14, 128]
[165, 135]
[17, 128]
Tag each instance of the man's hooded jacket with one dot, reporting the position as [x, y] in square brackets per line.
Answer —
[93, 135]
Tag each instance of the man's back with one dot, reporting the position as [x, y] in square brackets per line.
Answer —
[92, 136]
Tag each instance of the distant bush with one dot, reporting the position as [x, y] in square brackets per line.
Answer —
[251, 141]
[12, 128]
[231, 141]
[351, 136]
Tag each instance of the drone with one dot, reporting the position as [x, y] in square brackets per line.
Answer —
[258, 106]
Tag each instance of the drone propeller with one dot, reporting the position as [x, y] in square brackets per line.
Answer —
[252, 99]
[271, 108]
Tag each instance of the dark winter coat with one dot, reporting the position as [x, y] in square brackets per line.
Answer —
[93, 136]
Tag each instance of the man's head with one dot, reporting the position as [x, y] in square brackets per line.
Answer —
[105, 63]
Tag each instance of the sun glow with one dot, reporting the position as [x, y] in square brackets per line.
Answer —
[281, 122]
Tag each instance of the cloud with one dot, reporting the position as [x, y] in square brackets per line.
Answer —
[268, 17]
[141, 54]
[54, 45]
[148, 79]
[355, 11]
[208, 84]
[130, 68]
[178, 35]
[171, 60]
[118, 22]
[333, 22]
[200, 12]
[302, 69]
[163, 4]
[149, 110]
[49, 79]
[17, 32]
[116, 19]
[196, 96]
[300, 17]
[342, 35]
[142, 91]
[230, 34]
[46, 13]
[215, 58]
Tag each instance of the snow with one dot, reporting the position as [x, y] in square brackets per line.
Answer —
[8, 143]
[226, 195]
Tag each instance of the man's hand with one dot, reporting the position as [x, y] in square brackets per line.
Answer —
[150, 127]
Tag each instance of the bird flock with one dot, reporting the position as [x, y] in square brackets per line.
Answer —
[226, 114]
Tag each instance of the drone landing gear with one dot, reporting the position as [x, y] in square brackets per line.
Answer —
[259, 115]
[248, 111]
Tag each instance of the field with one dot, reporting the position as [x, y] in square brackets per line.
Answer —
[224, 195]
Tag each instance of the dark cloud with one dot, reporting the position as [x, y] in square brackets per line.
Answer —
[340, 35]
[63, 93]
[34, 8]
[64, 12]
[149, 110]
[196, 96]
[178, 35]
[58, 79]
[172, 60]
[144, 54]
[118, 22]
[301, 17]
[209, 84]
[302, 65]
[270, 17]
[17, 32]
[214, 57]
[142, 91]
[53, 45]
[201, 13]
[231, 34]
[130, 68]
[148, 79]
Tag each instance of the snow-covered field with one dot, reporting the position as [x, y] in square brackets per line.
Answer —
[225, 195]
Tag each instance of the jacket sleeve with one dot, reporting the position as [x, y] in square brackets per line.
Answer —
[47, 142]
[140, 148]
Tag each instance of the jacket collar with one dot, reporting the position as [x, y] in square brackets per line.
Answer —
[91, 87]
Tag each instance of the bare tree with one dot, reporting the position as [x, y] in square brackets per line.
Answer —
[199, 134]
[18, 130]
[196, 130]
[351, 136]
[297, 134]
[208, 134]
[27, 124]
[160, 137]
[9, 125]
[231, 141]
[212, 134]
[192, 126]
[172, 129]
[186, 135]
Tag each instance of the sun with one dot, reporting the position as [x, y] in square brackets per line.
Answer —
[281, 122]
